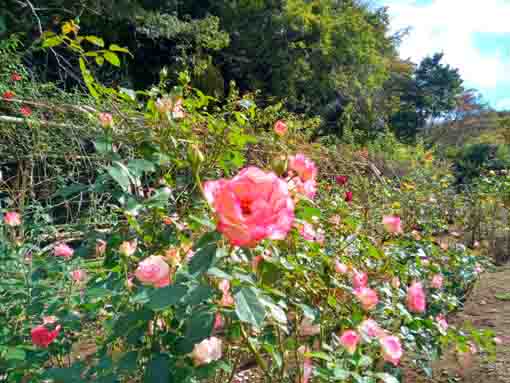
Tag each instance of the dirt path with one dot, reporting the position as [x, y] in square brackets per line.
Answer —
[484, 310]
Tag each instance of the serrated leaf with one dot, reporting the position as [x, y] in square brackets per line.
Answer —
[249, 309]
[166, 296]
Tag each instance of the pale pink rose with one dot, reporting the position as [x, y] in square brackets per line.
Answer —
[128, 248]
[307, 365]
[349, 340]
[416, 299]
[359, 279]
[42, 336]
[478, 269]
[371, 329]
[79, 275]
[392, 224]
[11, 218]
[442, 323]
[367, 297]
[100, 247]
[437, 281]
[303, 166]
[391, 349]
[207, 351]
[280, 128]
[395, 282]
[307, 328]
[340, 267]
[63, 250]
[252, 206]
[106, 119]
[153, 271]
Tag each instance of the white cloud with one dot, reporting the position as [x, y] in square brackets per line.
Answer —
[503, 104]
[449, 26]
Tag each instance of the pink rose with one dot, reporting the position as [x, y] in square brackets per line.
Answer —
[437, 281]
[349, 340]
[63, 250]
[105, 119]
[252, 206]
[359, 279]
[348, 196]
[153, 271]
[218, 322]
[307, 328]
[371, 329]
[42, 336]
[308, 232]
[227, 299]
[367, 297]
[478, 269]
[79, 275]
[340, 268]
[280, 128]
[303, 166]
[391, 349]
[207, 351]
[416, 300]
[392, 224]
[395, 282]
[178, 110]
[128, 248]
[11, 218]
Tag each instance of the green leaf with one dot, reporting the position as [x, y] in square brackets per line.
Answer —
[100, 60]
[138, 167]
[203, 259]
[249, 309]
[52, 42]
[158, 370]
[64, 375]
[128, 362]
[14, 353]
[198, 295]
[166, 296]
[199, 326]
[386, 378]
[95, 40]
[116, 48]
[112, 58]
[120, 173]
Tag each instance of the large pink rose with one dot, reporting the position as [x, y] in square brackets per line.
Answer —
[391, 349]
[349, 340]
[416, 300]
[63, 250]
[252, 206]
[359, 279]
[207, 351]
[153, 271]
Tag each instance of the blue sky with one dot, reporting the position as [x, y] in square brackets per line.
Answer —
[473, 34]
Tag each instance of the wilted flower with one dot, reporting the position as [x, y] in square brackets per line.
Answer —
[100, 247]
[63, 250]
[153, 271]
[349, 340]
[252, 206]
[11, 218]
[437, 281]
[42, 336]
[367, 297]
[280, 128]
[442, 323]
[391, 349]
[416, 300]
[392, 224]
[227, 299]
[307, 328]
[207, 351]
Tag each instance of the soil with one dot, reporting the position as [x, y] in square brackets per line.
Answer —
[488, 307]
